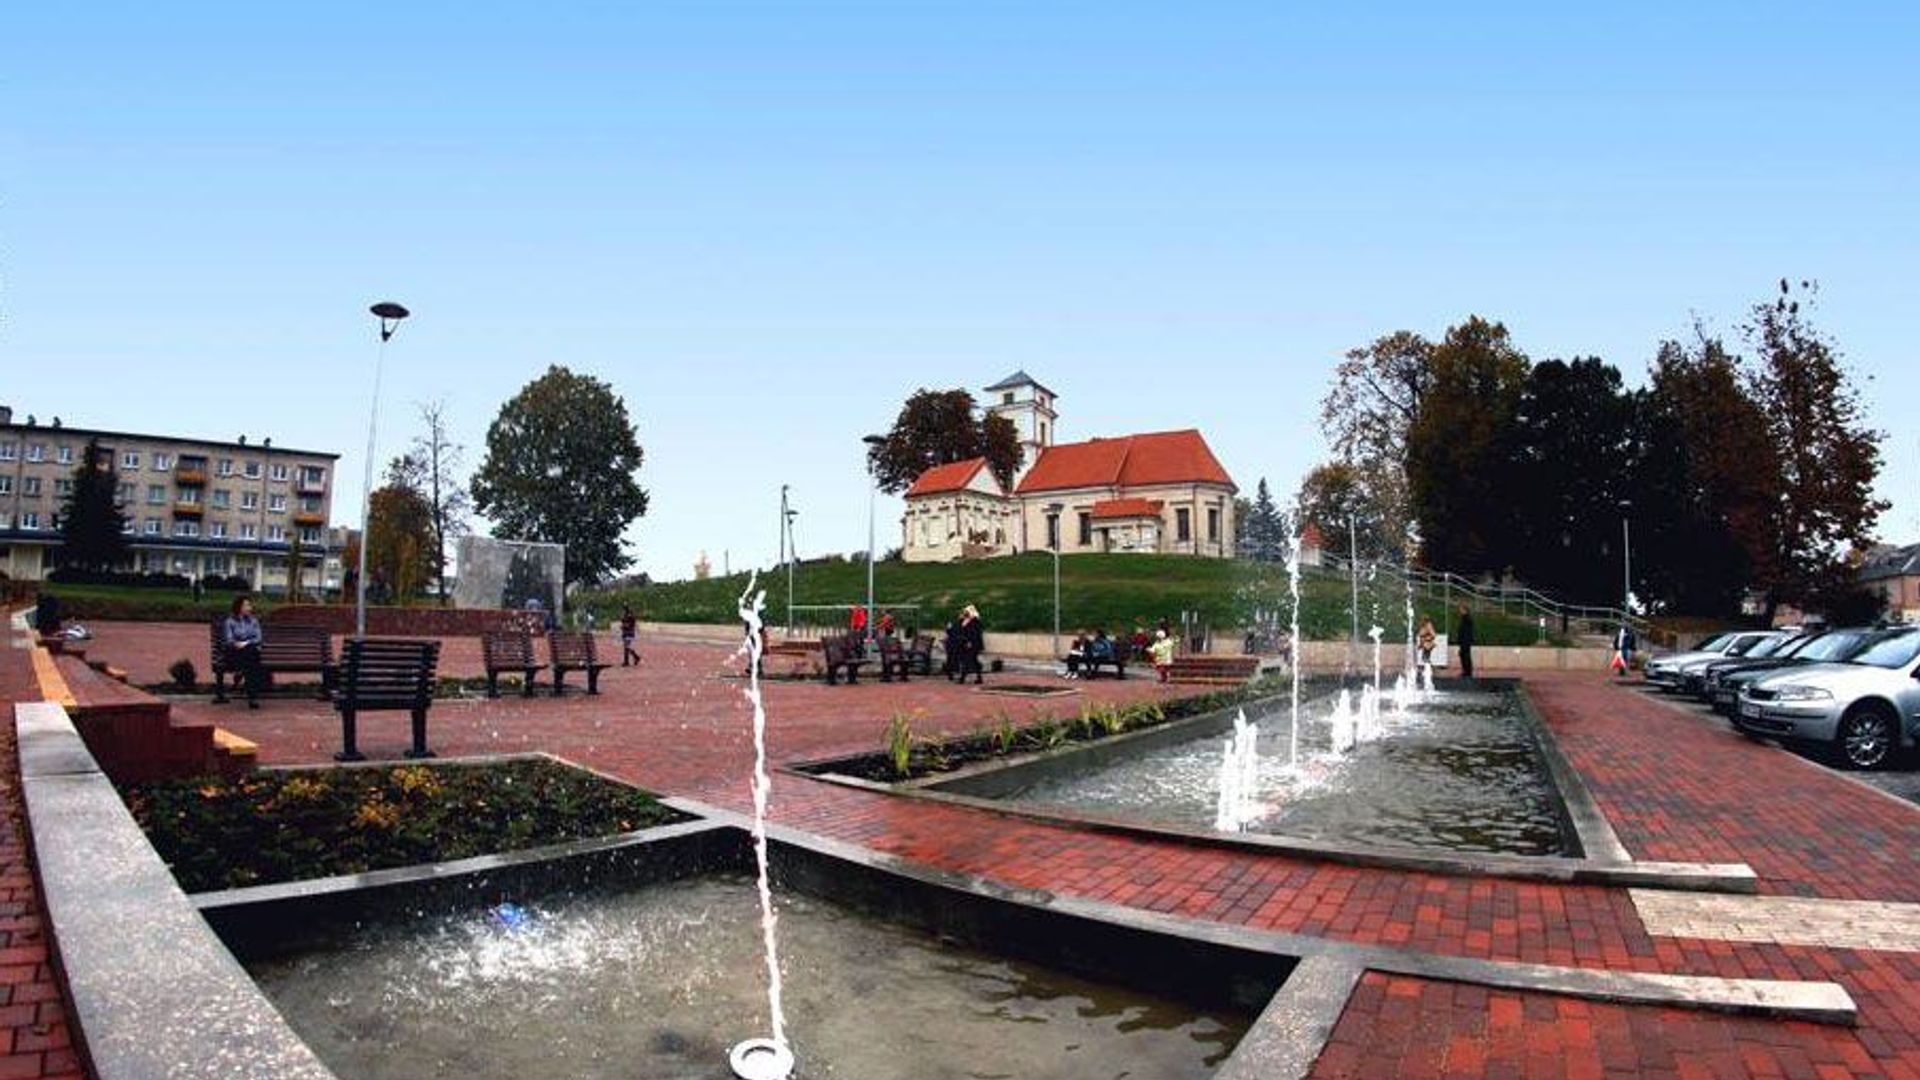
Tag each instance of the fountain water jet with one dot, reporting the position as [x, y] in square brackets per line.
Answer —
[1293, 652]
[1375, 635]
[1239, 777]
[761, 1059]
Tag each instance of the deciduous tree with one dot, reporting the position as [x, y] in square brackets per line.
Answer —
[432, 468]
[1334, 499]
[560, 465]
[1457, 447]
[938, 427]
[1376, 394]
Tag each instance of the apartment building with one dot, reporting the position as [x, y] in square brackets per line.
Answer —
[194, 506]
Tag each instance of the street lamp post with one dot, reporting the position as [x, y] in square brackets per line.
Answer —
[1053, 549]
[389, 314]
[1626, 557]
[786, 551]
[874, 442]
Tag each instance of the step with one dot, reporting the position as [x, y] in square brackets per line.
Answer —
[233, 754]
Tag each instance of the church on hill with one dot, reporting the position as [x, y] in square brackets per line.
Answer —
[1158, 492]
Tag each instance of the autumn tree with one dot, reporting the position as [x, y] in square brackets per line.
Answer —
[1376, 394]
[399, 528]
[560, 465]
[1828, 458]
[1333, 499]
[938, 427]
[1457, 447]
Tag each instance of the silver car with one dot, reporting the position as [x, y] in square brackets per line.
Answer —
[1865, 708]
[1664, 671]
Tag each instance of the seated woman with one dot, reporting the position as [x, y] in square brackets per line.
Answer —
[241, 635]
[1076, 654]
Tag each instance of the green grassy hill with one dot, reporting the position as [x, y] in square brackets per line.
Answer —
[1016, 593]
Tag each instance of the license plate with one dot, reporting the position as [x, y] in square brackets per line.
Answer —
[1750, 710]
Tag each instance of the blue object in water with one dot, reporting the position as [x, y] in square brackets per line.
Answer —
[511, 916]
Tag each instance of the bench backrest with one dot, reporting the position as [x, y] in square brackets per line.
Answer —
[297, 645]
[508, 649]
[383, 671]
[923, 644]
[837, 649]
[571, 648]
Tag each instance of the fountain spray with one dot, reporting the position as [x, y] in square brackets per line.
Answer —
[1239, 776]
[761, 1059]
[1293, 651]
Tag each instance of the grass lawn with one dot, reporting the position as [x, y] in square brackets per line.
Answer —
[100, 603]
[1016, 593]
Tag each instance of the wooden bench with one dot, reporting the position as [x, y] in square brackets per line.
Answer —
[572, 650]
[379, 673]
[509, 650]
[282, 649]
[1117, 660]
[840, 654]
[894, 658]
[920, 654]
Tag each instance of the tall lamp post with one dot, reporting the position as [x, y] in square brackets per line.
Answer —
[874, 442]
[786, 551]
[389, 314]
[1053, 549]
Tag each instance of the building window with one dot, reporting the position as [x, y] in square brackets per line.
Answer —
[153, 526]
[129, 526]
[9, 451]
[1213, 524]
[279, 472]
[189, 497]
[130, 460]
[222, 498]
[276, 534]
[30, 486]
[310, 535]
[1006, 397]
[247, 531]
[64, 455]
[277, 504]
[156, 494]
[121, 493]
[29, 520]
[313, 475]
[310, 503]
[249, 500]
[6, 485]
[36, 452]
[224, 468]
[251, 470]
[1086, 528]
[186, 528]
[63, 487]
[1183, 524]
[1053, 532]
[217, 530]
[162, 462]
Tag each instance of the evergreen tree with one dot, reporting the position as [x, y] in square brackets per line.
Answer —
[92, 528]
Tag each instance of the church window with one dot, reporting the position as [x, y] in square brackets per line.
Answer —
[1183, 524]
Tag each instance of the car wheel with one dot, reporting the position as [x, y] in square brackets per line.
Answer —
[1866, 737]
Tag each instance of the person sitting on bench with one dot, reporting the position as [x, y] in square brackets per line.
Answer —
[1076, 654]
[242, 637]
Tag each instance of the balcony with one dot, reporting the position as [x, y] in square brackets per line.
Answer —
[184, 475]
[188, 509]
[309, 486]
[309, 517]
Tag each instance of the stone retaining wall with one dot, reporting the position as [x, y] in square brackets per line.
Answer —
[434, 622]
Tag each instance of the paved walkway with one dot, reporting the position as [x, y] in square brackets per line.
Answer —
[1675, 787]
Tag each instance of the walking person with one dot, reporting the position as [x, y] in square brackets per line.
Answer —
[955, 644]
[629, 628]
[1463, 632]
[241, 635]
[1162, 650]
[1426, 639]
[973, 642]
[1623, 643]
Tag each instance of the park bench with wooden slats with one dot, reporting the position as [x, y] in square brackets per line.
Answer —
[573, 650]
[381, 673]
[1115, 659]
[920, 654]
[895, 658]
[840, 654]
[509, 650]
[282, 649]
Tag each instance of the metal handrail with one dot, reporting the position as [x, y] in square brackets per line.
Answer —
[1530, 601]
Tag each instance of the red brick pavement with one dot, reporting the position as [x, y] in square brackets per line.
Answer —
[1675, 788]
[34, 1041]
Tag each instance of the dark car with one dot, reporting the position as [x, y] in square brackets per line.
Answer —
[1693, 677]
[1833, 645]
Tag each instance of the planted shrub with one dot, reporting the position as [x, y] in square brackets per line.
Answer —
[182, 673]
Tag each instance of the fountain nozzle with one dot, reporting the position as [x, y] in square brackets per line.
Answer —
[761, 1059]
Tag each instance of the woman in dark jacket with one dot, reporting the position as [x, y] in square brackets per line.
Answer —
[973, 642]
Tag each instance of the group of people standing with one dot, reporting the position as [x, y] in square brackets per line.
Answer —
[1426, 639]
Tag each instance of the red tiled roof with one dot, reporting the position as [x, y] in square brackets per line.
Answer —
[940, 479]
[1161, 457]
[1126, 508]
[1310, 537]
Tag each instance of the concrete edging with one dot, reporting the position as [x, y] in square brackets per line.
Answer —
[153, 991]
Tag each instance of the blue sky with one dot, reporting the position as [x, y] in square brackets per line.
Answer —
[767, 224]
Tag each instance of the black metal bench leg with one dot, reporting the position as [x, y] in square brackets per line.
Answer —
[593, 681]
[419, 748]
[219, 688]
[527, 680]
[559, 677]
[493, 684]
[349, 751]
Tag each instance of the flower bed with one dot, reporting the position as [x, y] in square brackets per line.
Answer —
[271, 826]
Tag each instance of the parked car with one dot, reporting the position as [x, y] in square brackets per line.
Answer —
[1693, 674]
[1664, 671]
[1724, 683]
[1865, 708]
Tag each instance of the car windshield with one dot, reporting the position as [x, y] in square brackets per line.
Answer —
[1751, 646]
[1894, 652]
[1713, 644]
[1835, 645]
